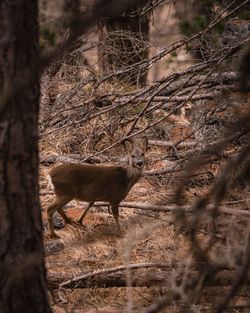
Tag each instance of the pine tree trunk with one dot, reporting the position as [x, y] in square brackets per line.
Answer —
[123, 43]
[22, 269]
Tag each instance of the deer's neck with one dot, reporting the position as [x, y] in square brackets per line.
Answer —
[133, 174]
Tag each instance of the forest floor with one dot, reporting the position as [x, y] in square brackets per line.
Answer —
[149, 237]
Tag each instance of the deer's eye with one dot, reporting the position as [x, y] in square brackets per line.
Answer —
[133, 156]
[142, 154]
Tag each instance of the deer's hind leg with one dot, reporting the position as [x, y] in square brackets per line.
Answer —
[57, 205]
[89, 205]
[115, 212]
[65, 217]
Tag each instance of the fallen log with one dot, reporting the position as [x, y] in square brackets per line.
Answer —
[141, 278]
[168, 208]
[163, 143]
[109, 277]
[71, 158]
[163, 171]
[77, 158]
[172, 208]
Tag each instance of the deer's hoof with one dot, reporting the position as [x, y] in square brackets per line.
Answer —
[120, 232]
[74, 223]
[54, 236]
[69, 221]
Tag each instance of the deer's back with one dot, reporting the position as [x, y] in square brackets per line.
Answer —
[90, 182]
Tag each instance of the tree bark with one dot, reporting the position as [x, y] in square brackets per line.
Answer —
[22, 268]
[124, 43]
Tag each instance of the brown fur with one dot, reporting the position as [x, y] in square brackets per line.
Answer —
[92, 183]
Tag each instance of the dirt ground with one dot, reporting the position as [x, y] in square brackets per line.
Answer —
[148, 237]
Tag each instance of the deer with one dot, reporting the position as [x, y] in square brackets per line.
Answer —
[91, 183]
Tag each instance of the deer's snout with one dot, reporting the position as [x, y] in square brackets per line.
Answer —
[139, 163]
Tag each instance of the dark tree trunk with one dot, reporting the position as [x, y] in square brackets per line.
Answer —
[123, 43]
[22, 269]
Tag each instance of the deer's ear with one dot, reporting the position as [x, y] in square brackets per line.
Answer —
[144, 142]
[128, 145]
